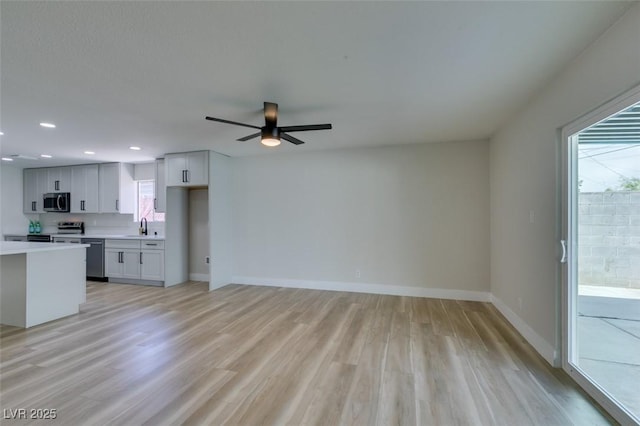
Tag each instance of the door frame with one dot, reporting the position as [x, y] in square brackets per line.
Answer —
[569, 202]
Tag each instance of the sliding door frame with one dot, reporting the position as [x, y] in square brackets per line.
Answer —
[569, 155]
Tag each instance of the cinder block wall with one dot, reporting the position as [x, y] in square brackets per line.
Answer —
[609, 238]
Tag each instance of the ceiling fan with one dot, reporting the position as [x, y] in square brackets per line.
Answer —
[270, 134]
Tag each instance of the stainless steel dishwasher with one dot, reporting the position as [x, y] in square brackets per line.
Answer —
[95, 258]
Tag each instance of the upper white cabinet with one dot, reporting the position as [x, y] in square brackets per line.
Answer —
[34, 185]
[160, 203]
[41, 181]
[59, 179]
[85, 189]
[117, 188]
[187, 169]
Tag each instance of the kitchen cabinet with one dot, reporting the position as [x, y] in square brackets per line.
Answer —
[122, 263]
[58, 179]
[34, 186]
[117, 188]
[85, 189]
[152, 265]
[67, 240]
[21, 238]
[134, 261]
[160, 203]
[187, 169]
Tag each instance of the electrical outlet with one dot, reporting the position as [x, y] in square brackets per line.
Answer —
[357, 273]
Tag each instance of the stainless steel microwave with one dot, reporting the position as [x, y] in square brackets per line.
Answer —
[57, 202]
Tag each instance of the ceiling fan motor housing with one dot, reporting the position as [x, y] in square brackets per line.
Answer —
[270, 133]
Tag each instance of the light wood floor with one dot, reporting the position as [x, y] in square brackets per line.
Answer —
[258, 355]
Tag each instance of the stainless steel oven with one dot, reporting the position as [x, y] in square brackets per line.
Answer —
[56, 202]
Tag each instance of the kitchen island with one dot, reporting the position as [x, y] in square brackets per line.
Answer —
[40, 282]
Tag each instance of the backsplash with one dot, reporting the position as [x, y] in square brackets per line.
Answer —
[102, 223]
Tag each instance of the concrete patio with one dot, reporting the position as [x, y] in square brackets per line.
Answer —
[609, 341]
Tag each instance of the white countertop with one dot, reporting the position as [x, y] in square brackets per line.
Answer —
[111, 237]
[105, 236]
[22, 247]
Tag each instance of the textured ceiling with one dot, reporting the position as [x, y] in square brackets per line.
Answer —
[115, 74]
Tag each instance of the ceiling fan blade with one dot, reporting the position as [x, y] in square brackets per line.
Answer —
[291, 139]
[232, 122]
[270, 114]
[246, 138]
[305, 128]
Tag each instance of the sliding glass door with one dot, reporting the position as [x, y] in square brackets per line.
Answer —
[601, 249]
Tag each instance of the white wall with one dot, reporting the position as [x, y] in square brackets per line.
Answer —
[99, 223]
[220, 220]
[176, 247]
[198, 234]
[414, 216]
[11, 217]
[525, 177]
[144, 171]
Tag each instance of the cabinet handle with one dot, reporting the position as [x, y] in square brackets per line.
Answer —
[150, 244]
[117, 206]
[186, 175]
[33, 206]
[155, 204]
[141, 258]
[120, 257]
[81, 204]
[183, 178]
[56, 185]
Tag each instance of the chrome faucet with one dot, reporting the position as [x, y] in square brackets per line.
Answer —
[145, 231]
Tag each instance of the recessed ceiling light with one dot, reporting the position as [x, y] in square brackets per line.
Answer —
[7, 159]
[49, 125]
[1, 133]
[89, 152]
[135, 148]
[45, 156]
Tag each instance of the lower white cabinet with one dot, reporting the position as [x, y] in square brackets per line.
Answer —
[122, 263]
[152, 265]
[134, 260]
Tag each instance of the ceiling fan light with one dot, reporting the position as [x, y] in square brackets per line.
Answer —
[270, 141]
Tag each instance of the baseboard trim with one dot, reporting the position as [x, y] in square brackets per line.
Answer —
[539, 344]
[436, 293]
[198, 277]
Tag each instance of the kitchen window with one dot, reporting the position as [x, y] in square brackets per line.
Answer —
[146, 197]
